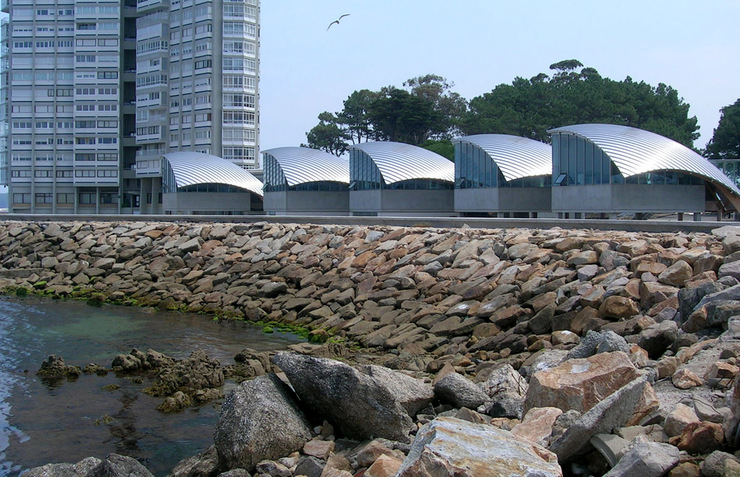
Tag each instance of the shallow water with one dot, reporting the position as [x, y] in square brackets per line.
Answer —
[69, 421]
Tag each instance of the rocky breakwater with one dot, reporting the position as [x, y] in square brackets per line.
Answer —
[607, 350]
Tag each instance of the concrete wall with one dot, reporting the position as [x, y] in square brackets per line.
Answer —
[477, 200]
[504, 199]
[616, 198]
[207, 202]
[404, 202]
[307, 202]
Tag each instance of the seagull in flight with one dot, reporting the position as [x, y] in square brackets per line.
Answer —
[336, 21]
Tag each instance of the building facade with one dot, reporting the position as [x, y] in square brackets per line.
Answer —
[91, 87]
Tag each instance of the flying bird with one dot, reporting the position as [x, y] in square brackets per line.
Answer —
[336, 21]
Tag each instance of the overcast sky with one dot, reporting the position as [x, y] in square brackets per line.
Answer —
[478, 44]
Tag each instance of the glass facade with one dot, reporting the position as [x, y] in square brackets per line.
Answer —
[475, 169]
[730, 167]
[363, 173]
[577, 161]
[275, 181]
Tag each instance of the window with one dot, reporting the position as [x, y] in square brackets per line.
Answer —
[88, 156]
[65, 198]
[85, 173]
[107, 156]
[107, 74]
[86, 26]
[42, 174]
[19, 198]
[107, 173]
[108, 198]
[84, 124]
[21, 173]
[64, 173]
[87, 198]
[44, 198]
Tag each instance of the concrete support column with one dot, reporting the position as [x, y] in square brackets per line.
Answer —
[697, 216]
[680, 216]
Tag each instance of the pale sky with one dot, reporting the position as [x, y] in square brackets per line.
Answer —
[478, 44]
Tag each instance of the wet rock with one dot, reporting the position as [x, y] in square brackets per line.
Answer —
[54, 368]
[82, 468]
[115, 465]
[203, 464]
[260, 420]
[188, 376]
[448, 446]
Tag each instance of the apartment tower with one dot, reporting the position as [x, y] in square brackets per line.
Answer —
[95, 93]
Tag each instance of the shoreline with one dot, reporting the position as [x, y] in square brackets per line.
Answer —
[425, 302]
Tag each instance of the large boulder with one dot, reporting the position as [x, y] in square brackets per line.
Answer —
[449, 446]
[580, 384]
[646, 459]
[114, 465]
[613, 411]
[459, 391]
[259, 420]
[413, 394]
[358, 405]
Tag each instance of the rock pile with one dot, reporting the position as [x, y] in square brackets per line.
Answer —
[606, 349]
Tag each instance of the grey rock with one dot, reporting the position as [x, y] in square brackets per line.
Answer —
[309, 466]
[460, 391]
[116, 465]
[647, 459]
[613, 411]
[260, 420]
[658, 338]
[355, 403]
[714, 464]
[202, 464]
[413, 394]
[273, 469]
[598, 342]
[82, 468]
[611, 446]
[449, 446]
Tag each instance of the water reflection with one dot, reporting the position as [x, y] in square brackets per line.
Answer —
[68, 421]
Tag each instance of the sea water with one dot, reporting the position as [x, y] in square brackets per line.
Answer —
[95, 415]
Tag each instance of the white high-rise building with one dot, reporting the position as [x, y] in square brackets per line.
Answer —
[95, 92]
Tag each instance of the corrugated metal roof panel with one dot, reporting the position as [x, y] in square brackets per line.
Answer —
[401, 162]
[636, 151]
[191, 168]
[302, 164]
[517, 157]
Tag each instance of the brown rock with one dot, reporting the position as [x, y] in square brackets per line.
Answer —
[677, 274]
[319, 448]
[618, 307]
[384, 466]
[700, 438]
[677, 420]
[685, 379]
[536, 426]
[580, 384]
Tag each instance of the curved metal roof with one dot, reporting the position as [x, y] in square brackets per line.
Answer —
[192, 168]
[636, 151]
[401, 162]
[303, 164]
[516, 156]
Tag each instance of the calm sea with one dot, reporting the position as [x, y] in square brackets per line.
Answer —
[69, 421]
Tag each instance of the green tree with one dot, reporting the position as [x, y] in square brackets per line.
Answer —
[354, 116]
[448, 105]
[328, 135]
[725, 142]
[400, 116]
[443, 147]
[576, 94]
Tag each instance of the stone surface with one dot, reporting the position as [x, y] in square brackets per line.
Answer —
[460, 391]
[648, 459]
[448, 446]
[355, 403]
[259, 420]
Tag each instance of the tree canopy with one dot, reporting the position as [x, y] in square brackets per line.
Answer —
[574, 95]
[725, 142]
[427, 112]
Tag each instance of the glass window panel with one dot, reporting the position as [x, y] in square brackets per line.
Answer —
[589, 152]
[581, 161]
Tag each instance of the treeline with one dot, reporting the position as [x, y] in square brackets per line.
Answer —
[427, 112]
